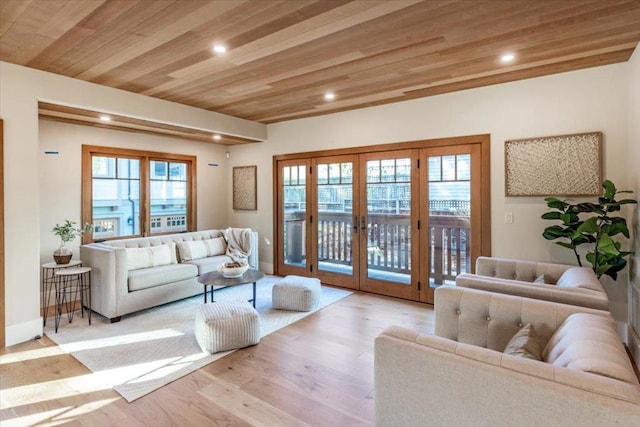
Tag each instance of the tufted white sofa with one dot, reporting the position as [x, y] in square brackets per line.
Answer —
[129, 275]
[460, 377]
[562, 283]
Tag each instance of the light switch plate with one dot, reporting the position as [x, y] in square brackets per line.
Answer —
[508, 217]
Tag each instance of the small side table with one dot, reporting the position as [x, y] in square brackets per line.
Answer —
[48, 270]
[69, 283]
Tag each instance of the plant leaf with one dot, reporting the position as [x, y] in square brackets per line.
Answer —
[551, 215]
[627, 201]
[566, 245]
[607, 245]
[590, 226]
[609, 189]
[587, 207]
[554, 203]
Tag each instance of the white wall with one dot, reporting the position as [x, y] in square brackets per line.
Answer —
[588, 100]
[634, 184]
[20, 90]
[60, 175]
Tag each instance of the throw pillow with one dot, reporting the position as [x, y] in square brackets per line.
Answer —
[192, 250]
[525, 343]
[216, 246]
[151, 256]
[579, 277]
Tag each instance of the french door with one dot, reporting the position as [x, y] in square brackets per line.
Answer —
[388, 223]
[450, 214]
[396, 222]
[335, 246]
[293, 217]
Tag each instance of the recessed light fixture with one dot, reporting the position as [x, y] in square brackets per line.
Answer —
[105, 118]
[217, 137]
[507, 57]
[218, 48]
[329, 96]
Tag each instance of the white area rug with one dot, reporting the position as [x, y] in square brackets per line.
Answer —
[151, 348]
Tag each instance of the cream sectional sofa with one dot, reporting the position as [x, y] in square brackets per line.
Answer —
[561, 283]
[460, 377]
[129, 275]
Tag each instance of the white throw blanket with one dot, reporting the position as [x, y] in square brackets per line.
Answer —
[238, 243]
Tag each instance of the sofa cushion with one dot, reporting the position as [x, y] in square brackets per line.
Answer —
[217, 246]
[590, 343]
[191, 250]
[196, 249]
[208, 264]
[158, 276]
[579, 277]
[152, 256]
[525, 343]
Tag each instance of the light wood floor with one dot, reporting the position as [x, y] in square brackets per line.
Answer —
[316, 372]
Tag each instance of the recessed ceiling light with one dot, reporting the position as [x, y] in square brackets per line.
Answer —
[217, 137]
[329, 96]
[105, 118]
[218, 48]
[507, 57]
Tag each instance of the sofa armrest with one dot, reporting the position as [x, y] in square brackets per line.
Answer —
[428, 379]
[108, 276]
[488, 319]
[565, 295]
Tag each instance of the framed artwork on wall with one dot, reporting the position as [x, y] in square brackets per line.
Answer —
[562, 165]
[245, 196]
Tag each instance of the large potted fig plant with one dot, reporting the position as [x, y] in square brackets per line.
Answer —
[592, 224]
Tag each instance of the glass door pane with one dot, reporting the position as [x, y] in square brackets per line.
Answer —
[449, 217]
[388, 220]
[336, 233]
[335, 217]
[294, 208]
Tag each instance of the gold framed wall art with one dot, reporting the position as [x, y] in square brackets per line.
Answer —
[561, 165]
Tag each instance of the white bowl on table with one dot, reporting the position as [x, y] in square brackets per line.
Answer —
[234, 269]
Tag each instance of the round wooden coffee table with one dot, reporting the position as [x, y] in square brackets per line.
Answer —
[216, 279]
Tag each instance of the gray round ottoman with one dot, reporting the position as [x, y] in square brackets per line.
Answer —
[221, 326]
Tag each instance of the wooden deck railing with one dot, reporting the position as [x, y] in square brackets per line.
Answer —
[450, 250]
[389, 242]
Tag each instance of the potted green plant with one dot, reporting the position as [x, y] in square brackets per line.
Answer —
[67, 233]
[605, 254]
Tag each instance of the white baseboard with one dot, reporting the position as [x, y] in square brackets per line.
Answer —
[266, 267]
[634, 346]
[25, 331]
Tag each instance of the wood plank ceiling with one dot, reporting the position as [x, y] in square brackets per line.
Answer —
[283, 55]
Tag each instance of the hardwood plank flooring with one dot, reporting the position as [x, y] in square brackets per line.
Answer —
[315, 372]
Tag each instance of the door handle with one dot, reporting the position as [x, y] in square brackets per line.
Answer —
[363, 224]
[355, 224]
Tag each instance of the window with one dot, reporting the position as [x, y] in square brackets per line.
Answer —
[137, 193]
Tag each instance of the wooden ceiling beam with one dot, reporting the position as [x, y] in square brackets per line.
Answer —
[67, 114]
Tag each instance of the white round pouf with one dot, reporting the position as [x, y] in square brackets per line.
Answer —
[221, 326]
[296, 293]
